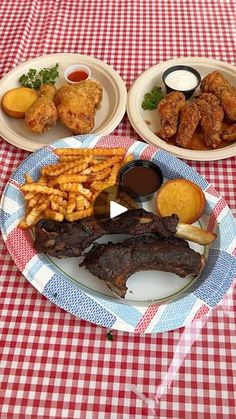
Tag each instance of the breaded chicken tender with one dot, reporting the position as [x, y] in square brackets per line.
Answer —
[169, 109]
[76, 105]
[189, 119]
[212, 116]
[42, 115]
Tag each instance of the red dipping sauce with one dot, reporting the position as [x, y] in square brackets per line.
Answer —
[77, 76]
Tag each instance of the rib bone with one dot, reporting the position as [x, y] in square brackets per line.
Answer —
[194, 234]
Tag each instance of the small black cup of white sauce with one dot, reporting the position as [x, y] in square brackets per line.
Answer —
[181, 78]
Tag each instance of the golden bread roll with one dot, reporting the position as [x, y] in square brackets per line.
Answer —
[17, 101]
[181, 197]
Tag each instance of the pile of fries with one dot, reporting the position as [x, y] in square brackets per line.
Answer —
[68, 189]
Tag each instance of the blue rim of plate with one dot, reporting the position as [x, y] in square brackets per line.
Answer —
[193, 303]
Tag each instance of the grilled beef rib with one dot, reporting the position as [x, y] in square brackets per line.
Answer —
[68, 239]
[116, 262]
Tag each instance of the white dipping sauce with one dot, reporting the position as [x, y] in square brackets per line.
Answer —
[181, 80]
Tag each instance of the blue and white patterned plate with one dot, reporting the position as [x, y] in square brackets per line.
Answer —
[67, 286]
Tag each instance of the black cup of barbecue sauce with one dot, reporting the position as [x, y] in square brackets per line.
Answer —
[141, 178]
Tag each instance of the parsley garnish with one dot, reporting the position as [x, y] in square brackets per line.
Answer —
[34, 79]
[152, 98]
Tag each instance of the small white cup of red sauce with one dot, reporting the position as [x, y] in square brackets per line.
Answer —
[77, 73]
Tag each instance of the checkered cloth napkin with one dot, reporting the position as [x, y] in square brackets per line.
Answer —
[54, 364]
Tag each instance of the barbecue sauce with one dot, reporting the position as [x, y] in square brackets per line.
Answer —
[142, 180]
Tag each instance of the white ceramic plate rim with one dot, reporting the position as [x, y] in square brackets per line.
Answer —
[136, 120]
[50, 59]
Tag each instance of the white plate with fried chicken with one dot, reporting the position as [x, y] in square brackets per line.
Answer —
[101, 112]
[213, 137]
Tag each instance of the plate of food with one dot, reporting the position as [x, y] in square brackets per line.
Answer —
[200, 127]
[143, 269]
[40, 104]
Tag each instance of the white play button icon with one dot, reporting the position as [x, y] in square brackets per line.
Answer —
[116, 209]
[112, 202]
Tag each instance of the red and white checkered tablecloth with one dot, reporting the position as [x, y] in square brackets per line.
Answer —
[56, 365]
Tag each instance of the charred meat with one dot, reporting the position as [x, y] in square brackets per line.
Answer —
[115, 263]
[68, 239]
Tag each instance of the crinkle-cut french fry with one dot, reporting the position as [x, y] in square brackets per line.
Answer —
[51, 167]
[97, 186]
[90, 151]
[78, 215]
[103, 165]
[43, 189]
[60, 168]
[128, 158]
[96, 160]
[100, 186]
[29, 195]
[58, 200]
[33, 201]
[79, 167]
[52, 182]
[103, 174]
[28, 178]
[76, 187]
[33, 215]
[114, 172]
[71, 158]
[42, 180]
[71, 203]
[23, 225]
[44, 198]
[58, 208]
[82, 202]
[95, 195]
[71, 178]
[53, 215]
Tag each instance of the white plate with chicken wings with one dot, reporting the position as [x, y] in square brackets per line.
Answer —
[147, 122]
[108, 115]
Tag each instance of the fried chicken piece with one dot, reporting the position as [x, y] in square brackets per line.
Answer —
[212, 81]
[76, 105]
[212, 116]
[229, 134]
[189, 119]
[217, 84]
[92, 88]
[227, 99]
[42, 115]
[169, 109]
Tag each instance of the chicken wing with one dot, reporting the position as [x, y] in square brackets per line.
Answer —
[217, 84]
[42, 115]
[169, 109]
[189, 119]
[76, 105]
[212, 116]
[212, 81]
[227, 99]
[229, 134]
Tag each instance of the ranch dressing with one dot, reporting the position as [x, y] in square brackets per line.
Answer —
[181, 80]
